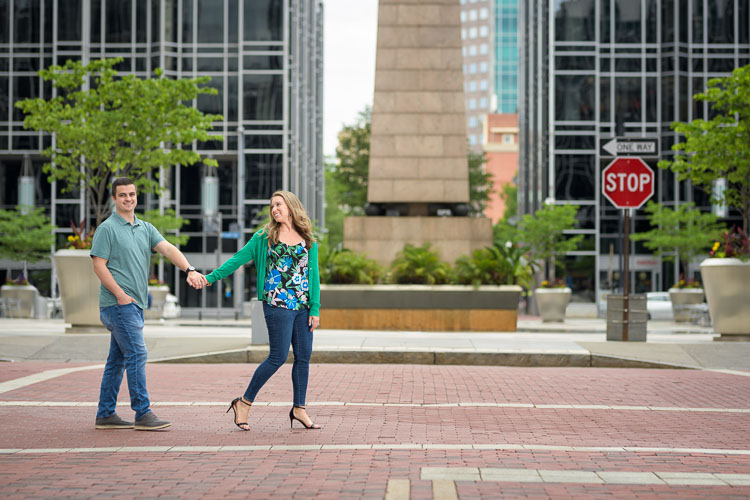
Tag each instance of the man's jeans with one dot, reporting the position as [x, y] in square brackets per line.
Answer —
[285, 327]
[127, 352]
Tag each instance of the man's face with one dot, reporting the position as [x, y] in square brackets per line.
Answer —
[125, 198]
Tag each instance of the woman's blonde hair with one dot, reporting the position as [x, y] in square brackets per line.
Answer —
[300, 221]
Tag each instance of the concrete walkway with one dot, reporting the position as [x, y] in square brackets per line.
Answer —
[576, 342]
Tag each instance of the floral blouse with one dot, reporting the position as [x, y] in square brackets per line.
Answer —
[286, 280]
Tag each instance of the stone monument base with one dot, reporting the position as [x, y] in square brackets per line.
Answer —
[381, 238]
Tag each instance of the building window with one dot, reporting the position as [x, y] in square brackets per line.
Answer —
[482, 84]
[463, 34]
[483, 103]
[473, 15]
[483, 49]
[472, 140]
[508, 139]
[473, 86]
[575, 20]
[483, 13]
[574, 97]
[574, 177]
[483, 31]
[463, 16]
[472, 68]
[472, 122]
[483, 67]
[472, 32]
[472, 104]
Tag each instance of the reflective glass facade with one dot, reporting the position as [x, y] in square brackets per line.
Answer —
[506, 56]
[263, 56]
[597, 69]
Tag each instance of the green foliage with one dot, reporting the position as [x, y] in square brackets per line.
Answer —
[353, 160]
[334, 212]
[718, 148]
[346, 267]
[119, 126]
[25, 234]
[480, 184]
[420, 266]
[167, 224]
[509, 194]
[542, 232]
[685, 231]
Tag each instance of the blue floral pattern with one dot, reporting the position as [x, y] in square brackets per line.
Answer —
[286, 278]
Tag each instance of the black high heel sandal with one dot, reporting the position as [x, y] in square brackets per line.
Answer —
[292, 418]
[233, 407]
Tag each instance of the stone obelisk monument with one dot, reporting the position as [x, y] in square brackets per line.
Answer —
[418, 183]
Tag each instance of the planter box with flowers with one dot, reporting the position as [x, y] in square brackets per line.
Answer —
[726, 278]
[684, 295]
[552, 299]
[158, 290]
[79, 285]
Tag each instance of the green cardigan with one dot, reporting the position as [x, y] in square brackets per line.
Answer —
[256, 251]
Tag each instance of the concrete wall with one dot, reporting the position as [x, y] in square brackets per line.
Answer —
[381, 238]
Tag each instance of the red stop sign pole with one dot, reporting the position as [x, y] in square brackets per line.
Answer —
[628, 183]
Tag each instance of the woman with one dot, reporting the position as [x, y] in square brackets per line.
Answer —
[286, 261]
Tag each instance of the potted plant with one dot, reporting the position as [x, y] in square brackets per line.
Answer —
[25, 236]
[726, 276]
[544, 238]
[685, 233]
[552, 298]
[106, 126]
[714, 152]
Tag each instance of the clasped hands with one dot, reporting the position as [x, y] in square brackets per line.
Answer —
[197, 280]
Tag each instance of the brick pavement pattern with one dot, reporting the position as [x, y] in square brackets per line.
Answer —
[703, 426]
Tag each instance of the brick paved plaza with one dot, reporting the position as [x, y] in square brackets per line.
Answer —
[389, 431]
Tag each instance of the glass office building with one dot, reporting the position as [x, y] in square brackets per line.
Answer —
[263, 56]
[597, 69]
[506, 56]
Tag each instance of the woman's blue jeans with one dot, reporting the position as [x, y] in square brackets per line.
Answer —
[127, 352]
[285, 327]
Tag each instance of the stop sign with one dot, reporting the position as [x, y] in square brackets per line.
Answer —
[628, 182]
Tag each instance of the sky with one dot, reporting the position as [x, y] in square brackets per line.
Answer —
[350, 29]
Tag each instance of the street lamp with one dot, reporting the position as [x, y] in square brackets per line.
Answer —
[26, 185]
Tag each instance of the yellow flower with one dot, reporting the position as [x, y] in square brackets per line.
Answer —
[716, 246]
[70, 238]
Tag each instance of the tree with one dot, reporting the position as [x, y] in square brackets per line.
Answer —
[480, 184]
[117, 126]
[25, 235]
[686, 231]
[509, 194]
[720, 147]
[542, 233]
[353, 161]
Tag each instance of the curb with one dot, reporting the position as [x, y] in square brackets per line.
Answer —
[517, 359]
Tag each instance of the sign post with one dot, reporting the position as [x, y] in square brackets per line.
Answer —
[628, 183]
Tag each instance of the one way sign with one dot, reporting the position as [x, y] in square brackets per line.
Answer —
[630, 146]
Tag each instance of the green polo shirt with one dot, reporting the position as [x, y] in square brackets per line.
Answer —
[127, 250]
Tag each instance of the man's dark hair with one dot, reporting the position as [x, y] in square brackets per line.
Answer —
[120, 181]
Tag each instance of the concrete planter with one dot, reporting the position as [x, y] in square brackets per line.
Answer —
[79, 291]
[420, 307]
[552, 303]
[25, 295]
[682, 299]
[158, 299]
[727, 286]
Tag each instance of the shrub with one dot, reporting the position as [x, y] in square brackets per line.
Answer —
[420, 266]
[344, 267]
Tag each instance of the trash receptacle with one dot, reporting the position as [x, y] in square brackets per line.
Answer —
[637, 317]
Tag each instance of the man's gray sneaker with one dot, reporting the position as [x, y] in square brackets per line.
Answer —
[113, 422]
[150, 422]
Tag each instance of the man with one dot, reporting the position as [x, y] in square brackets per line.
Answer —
[121, 251]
